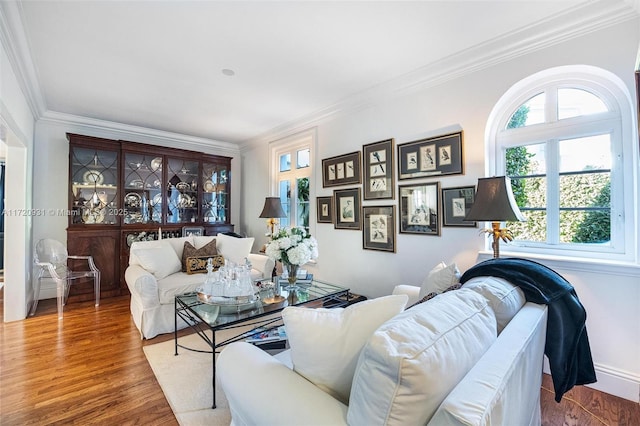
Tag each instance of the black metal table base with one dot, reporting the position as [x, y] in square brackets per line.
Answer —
[201, 328]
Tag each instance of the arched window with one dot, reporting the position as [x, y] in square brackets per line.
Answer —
[565, 136]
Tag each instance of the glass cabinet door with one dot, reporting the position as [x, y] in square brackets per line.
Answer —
[94, 186]
[215, 192]
[142, 192]
[182, 190]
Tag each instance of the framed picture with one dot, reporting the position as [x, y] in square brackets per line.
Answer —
[379, 232]
[341, 170]
[456, 203]
[196, 231]
[441, 155]
[419, 208]
[347, 208]
[325, 209]
[379, 170]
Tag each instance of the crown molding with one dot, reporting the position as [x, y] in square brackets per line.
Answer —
[134, 133]
[16, 45]
[15, 42]
[635, 4]
[572, 23]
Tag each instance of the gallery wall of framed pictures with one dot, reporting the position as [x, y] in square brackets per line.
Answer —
[424, 207]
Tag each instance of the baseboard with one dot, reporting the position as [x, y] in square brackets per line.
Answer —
[616, 382]
[613, 381]
[47, 291]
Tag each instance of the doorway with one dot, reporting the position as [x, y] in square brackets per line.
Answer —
[17, 227]
[3, 155]
[2, 174]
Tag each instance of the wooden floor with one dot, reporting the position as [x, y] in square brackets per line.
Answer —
[89, 368]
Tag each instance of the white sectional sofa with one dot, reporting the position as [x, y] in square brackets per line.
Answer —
[154, 276]
[472, 356]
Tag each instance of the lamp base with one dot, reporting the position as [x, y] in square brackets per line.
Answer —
[495, 245]
[498, 233]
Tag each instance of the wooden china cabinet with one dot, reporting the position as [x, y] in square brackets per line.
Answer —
[121, 192]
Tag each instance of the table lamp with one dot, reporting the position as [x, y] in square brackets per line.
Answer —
[272, 210]
[495, 203]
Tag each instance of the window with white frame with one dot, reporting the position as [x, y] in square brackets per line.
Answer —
[292, 171]
[561, 136]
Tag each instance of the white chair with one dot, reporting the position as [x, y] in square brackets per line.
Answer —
[51, 257]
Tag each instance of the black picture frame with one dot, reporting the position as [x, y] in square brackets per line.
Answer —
[437, 156]
[196, 231]
[324, 207]
[456, 203]
[420, 208]
[379, 170]
[342, 170]
[379, 228]
[347, 208]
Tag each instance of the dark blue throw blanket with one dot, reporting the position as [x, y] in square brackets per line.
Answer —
[567, 344]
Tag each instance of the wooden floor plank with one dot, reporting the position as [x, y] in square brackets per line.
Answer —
[89, 368]
[583, 406]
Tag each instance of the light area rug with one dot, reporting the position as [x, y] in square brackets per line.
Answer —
[186, 381]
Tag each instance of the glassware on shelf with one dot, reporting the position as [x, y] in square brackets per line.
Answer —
[142, 189]
[93, 185]
[182, 190]
[214, 181]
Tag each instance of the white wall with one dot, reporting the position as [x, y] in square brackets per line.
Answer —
[611, 295]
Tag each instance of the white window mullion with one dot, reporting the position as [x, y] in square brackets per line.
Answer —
[553, 193]
[617, 193]
[551, 105]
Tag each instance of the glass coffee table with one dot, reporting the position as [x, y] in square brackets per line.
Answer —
[207, 318]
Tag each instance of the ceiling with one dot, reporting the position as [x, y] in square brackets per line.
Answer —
[161, 64]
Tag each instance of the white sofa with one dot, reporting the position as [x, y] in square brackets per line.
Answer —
[472, 356]
[154, 276]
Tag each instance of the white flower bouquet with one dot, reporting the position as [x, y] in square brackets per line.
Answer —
[292, 246]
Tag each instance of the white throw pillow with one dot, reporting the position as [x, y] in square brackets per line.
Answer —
[234, 249]
[178, 244]
[505, 298]
[412, 362]
[325, 343]
[200, 241]
[159, 258]
[440, 278]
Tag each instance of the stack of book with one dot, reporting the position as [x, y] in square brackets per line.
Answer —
[274, 338]
[268, 335]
